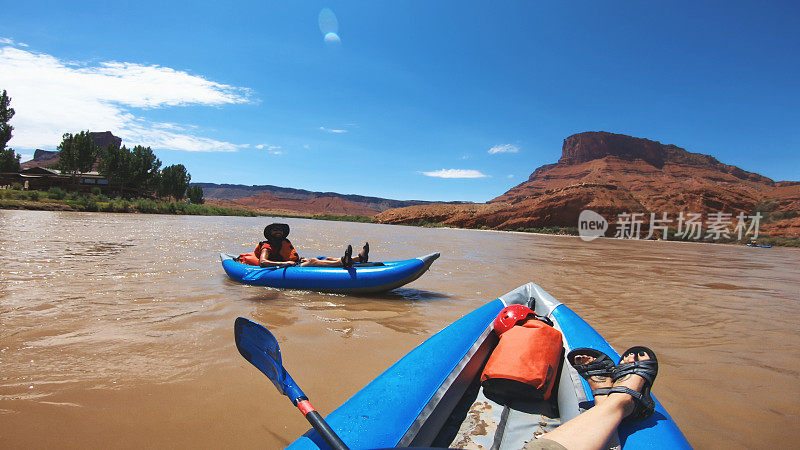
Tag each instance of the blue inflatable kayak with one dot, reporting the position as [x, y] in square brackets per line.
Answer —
[360, 279]
[431, 398]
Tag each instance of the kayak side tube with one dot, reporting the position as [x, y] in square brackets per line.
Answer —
[360, 279]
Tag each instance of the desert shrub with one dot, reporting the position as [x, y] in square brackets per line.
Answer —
[147, 206]
[120, 205]
[90, 204]
[15, 194]
[56, 193]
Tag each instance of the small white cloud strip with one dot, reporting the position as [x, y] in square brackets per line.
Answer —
[505, 148]
[52, 96]
[332, 130]
[454, 173]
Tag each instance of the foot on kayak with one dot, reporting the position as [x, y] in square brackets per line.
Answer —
[595, 367]
[363, 256]
[634, 376]
[347, 259]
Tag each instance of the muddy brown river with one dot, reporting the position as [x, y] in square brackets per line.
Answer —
[116, 330]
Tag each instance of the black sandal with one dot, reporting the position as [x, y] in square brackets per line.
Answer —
[646, 369]
[347, 259]
[364, 255]
[602, 366]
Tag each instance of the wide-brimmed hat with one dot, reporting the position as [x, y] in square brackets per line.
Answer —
[280, 226]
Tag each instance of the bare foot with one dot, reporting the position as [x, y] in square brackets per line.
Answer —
[631, 381]
[595, 381]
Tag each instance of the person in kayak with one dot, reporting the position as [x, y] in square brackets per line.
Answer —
[621, 392]
[277, 251]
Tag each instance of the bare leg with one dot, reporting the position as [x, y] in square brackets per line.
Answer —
[593, 428]
[331, 262]
[314, 262]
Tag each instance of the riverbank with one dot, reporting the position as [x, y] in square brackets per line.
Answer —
[763, 238]
[59, 200]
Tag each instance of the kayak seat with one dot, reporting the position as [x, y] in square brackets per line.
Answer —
[485, 421]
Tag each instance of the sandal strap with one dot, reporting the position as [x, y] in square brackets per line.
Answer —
[598, 371]
[602, 365]
[601, 391]
[644, 403]
[645, 369]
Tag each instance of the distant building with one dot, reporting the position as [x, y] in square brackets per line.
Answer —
[40, 172]
[42, 178]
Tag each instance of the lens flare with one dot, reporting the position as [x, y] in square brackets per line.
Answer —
[327, 22]
[332, 38]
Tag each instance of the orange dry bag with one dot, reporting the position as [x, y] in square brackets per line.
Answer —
[525, 362]
[249, 258]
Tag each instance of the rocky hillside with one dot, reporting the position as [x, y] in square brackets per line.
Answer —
[41, 158]
[612, 174]
[269, 197]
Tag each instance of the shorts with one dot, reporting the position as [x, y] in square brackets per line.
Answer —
[543, 444]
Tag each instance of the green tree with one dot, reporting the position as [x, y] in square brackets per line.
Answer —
[174, 181]
[116, 165]
[144, 169]
[9, 161]
[6, 113]
[195, 194]
[77, 153]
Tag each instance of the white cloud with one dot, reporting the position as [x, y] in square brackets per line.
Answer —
[330, 130]
[455, 173]
[52, 96]
[510, 176]
[505, 148]
[271, 149]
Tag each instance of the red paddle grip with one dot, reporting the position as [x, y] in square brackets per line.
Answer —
[305, 407]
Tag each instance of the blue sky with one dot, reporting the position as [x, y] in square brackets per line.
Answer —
[407, 100]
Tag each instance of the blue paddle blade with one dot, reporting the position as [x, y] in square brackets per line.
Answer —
[258, 346]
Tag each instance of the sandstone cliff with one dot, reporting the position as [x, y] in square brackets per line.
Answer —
[612, 174]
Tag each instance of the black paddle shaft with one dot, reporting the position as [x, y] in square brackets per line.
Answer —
[324, 430]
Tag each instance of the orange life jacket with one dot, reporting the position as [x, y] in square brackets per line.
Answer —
[285, 253]
[525, 362]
